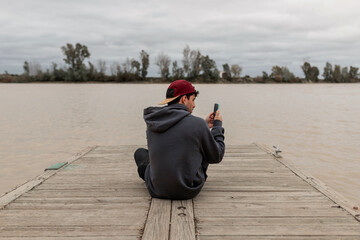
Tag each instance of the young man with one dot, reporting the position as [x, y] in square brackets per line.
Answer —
[180, 145]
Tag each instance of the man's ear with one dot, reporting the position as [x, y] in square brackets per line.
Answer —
[182, 99]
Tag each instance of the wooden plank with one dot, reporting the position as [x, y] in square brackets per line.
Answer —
[73, 200]
[215, 186]
[277, 237]
[182, 221]
[250, 195]
[263, 163]
[85, 187]
[259, 195]
[95, 174]
[258, 188]
[9, 197]
[271, 205]
[213, 174]
[270, 221]
[72, 218]
[58, 214]
[77, 206]
[240, 171]
[327, 191]
[266, 212]
[72, 238]
[158, 220]
[289, 230]
[121, 192]
[248, 156]
[68, 231]
[88, 199]
[265, 199]
[256, 182]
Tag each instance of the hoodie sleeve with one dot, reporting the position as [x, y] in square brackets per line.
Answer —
[213, 145]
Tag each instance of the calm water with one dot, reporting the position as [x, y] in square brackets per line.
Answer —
[316, 126]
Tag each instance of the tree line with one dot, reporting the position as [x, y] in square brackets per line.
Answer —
[194, 67]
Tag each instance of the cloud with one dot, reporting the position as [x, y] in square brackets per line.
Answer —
[255, 34]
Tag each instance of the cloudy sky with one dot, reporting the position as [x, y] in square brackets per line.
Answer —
[255, 34]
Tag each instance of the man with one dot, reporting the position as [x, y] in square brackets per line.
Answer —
[180, 145]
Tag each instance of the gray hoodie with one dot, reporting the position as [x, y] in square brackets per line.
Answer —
[179, 145]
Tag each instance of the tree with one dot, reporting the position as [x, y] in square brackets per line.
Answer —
[306, 67]
[236, 70]
[287, 76]
[177, 73]
[163, 62]
[130, 70]
[328, 72]
[209, 69]
[186, 60]
[337, 74]
[265, 76]
[282, 74]
[101, 66]
[276, 73]
[345, 74]
[75, 56]
[135, 67]
[311, 73]
[35, 69]
[91, 73]
[144, 58]
[227, 72]
[353, 73]
[113, 68]
[195, 64]
[116, 72]
[57, 74]
[26, 68]
[126, 66]
[191, 63]
[314, 74]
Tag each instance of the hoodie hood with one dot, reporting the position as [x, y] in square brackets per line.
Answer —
[160, 119]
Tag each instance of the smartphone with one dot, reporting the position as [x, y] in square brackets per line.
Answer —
[216, 107]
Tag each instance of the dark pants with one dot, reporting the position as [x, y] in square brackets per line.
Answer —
[141, 157]
[205, 166]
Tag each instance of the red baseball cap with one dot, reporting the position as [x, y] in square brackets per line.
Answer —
[177, 89]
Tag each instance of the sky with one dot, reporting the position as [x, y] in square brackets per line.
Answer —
[255, 34]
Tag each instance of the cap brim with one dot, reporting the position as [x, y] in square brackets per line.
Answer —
[168, 100]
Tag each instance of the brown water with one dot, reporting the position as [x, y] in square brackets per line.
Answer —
[316, 126]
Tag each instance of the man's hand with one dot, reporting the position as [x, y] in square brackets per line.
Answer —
[210, 118]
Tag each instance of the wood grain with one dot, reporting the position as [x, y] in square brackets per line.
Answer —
[249, 195]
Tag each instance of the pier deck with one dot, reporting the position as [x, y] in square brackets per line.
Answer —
[250, 195]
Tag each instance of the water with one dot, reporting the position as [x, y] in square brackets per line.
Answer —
[316, 126]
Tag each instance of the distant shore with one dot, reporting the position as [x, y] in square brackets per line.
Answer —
[196, 67]
[14, 78]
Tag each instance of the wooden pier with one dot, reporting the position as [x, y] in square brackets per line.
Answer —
[250, 195]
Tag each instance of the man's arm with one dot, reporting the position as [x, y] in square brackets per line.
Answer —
[210, 118]
[213, 142]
